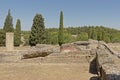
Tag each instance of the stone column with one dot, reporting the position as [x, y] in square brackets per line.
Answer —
[10, 41]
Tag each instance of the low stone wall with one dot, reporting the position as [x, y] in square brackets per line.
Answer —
[35, 54]
[107, 69]
[41, 50]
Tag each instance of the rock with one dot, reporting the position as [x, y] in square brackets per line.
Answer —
[35, 54]
[40, 50]
[68, 48]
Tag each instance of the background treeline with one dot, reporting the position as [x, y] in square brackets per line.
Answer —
[41, 35]
[72, 34]
[96, 33]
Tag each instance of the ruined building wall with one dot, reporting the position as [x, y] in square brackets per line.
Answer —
[106, 65]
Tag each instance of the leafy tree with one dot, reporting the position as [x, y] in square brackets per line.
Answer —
[94, 34]
[67, 37]
[17, 33]
[107, 39]
[99, 36]
[54, 38]
[89, 32]
[2, 37]
[25, 35]
[115, 37]
[48, 37]
[8, 26]
[37, 35]
[60, 33]
[83, 36]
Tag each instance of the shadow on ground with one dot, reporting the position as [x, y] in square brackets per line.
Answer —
[93, 70]
[95, 78]
[92, 67]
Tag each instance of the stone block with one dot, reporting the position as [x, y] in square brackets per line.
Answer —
[10, 41]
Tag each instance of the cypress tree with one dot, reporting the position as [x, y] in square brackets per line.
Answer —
[8, 26]
[60, 33]
[37, 35]
[17, 33]
[94, 34]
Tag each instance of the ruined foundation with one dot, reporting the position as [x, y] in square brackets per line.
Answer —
[106, 63]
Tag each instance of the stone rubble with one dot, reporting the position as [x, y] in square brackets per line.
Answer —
[106, 64]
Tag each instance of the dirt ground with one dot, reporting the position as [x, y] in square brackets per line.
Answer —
[47, 71]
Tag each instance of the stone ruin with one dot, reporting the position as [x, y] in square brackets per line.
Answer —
[9, 41]
[106, 63]
[80, 46]
[105, 57]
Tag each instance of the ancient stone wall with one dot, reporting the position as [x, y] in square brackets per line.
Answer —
[107, 68]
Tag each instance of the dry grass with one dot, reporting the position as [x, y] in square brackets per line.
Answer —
[44, 71]
[37, 71]
[16, 48]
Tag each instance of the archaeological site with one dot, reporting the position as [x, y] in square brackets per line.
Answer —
[82, 60]
[59, 39]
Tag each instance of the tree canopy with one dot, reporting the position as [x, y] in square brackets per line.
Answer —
[37, 35]
[8, 25]
[17, 33]
[60, 33]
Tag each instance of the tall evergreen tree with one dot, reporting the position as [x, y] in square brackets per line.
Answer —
[94, 34]
[17, 33]
[60, 33]
[8, 25]
[37, 35]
